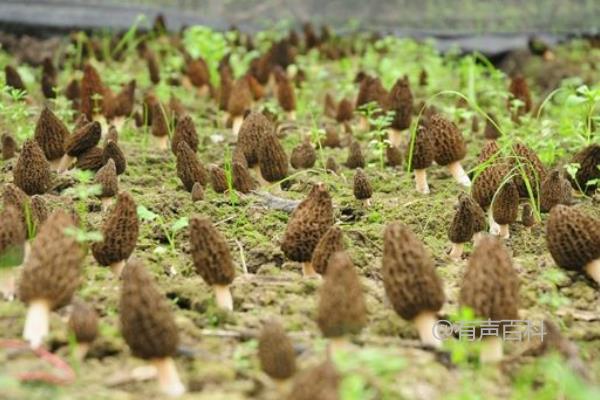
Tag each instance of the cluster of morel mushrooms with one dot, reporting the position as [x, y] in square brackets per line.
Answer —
[51, 268]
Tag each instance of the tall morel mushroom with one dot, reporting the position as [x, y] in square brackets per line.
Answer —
[285, 93]
[189, 168]
[218, 179]
[9, 146]
[355, 156]
[160, 127]
[51, 133]
[185, 130]
[505, 208]
[400, 101]
[242, 180]
[13, 78]
[410, 280]
[362, 187]
[422, 158]
[112, 151]
[32, 171]
[555, 189]
[92, 92]
[106, 177]
[330, 243]
[83, 323]
[240, 100]
[212, 259]
[468, 220]
[272, 160]
[252, 131]
[448, 147]
[276, 352]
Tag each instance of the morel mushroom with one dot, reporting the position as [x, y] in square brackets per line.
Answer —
[362, 187]
[393, 156]
[50, 134]
[9, 147]
[50, 275]
[555, 189]
[318, 383]
[448, 147]
[92, 92]
[307, 224]
[197, 192]
[355, 156]
[242, 180]
[160, 127]
[528, 166]
[505, 208]
[112, 151]
[148, 326]
[106, 177]
[519, 90]
[189, 168]
[218, 179]
[573, 239]
[345, 111]
[303, 156]
[153, 67]
[342, 310]
[83, 323]
[330, 243]
[276, 352]
[91, 159]
[120, 232]
[485, 186]
[468, 220]
[527, 217]
[212, 259]
[588, 171]
[410, 281]
[331, 165]
[422, 157]
[32, 171]
[83, 139]
[285, 93]
[13, 78]
[272, 160]
[240, 100]
[400, 101]
[39, 210]
[490, 288]
[254, 128]
[185, 130]
[491, 131]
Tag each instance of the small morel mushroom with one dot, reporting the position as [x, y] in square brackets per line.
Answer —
[342, 310]
[276, 352]
[355, 156]
[393, 156]
[527, 217]
[83, 323]
[160, 127]
[303, 156]
[491, 131]
[189, 168]
[318, 383]
[106, 177]
[331, 165]
[490, 288]
[13, 78]
[218, 179]
[362, 187]
[91, 159]
[505, 208]
[212, 259]
[555, 189]
[254, 128]
[73, 93]
[199, 75]
[422, 158]
[92, 92]
[588, 172]
[225, 88]
[448, 147]
[50, 134]
[519, 90]
[240, 100]
[272, 160]
[83, 139]
[330, 109]
[332, 138]
[120, 232]
[112, 151]
[485, 186]
[185, 131]
[400, 101]
[410, 280]
[573, 239]
[285, 93]
[123, 104]
[330, 243]
[9, 146]
[307, 224]
[50, 275]
[528, 165]
[32, 171]
[345, 111]
[468, 220]
[197, 192]
[153, 68]
[242, 180]
[148, 326]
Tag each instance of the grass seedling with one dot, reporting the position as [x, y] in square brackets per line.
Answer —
[379, 121]
[169, 230]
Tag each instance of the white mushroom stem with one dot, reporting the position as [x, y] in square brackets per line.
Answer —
[337, 345]
[421, 181]
[291, 115]
[223, 297]
[161, 142]
[491, 350]
[81, 350]
[308, 271]
[504, 232]
[425, 323]
[593, 269]
[459, 174]
[106, 202]
[117, 268]
[237, 124]
[395, 137]
[366, 203]
[37, 322]
[55, 164]
[168, 378]
[65, 163]
[494, 227]
[456, 251]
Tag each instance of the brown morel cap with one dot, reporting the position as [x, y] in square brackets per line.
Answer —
[527, 217]
[520, 90]
[331, 242]
[50, 134]
[257, 90]
[32, 171]
[330, 109]
[332, 138]
[239, 157]
[160, 127]
[573, 238]
[345, 110]
[9, 146]
[83, 139]
[52, 271]
[318, 383]
[39, 210]
[153, 67]
[185, 131]
[588, 160]
[331, 165]
[489, 150]
[393, 156]
[242, 181]
[106, 177]
[83, 322]
[276, 352]
[210, 252]
[355, 156]
[423, 151]
[218, 179]
[81, 121]
[198, 72]
[225, 89]
[303, 156]
[91, 87]
[240, 98]
[342, 310]
[409, 277]
[253, 130]
[468, 220]
[490, 285]
[13, 78]
[448, 142]
[505, 204]
[272, 160]
[12, 235]
[491, 132]
[90, 160]
[400, 100]
[147, 323]
[555, 189]
[487, 183]
[120, 232]
[73, 91]
[125, 100]
[309, 221]
[533, 167]
[197, 192]
[189, 168]
[112, 151]
[13, 195]
[362, 187]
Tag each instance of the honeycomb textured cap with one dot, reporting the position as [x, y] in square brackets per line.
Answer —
[13, 78]
[286, 95]
[198, 72]
[39, 210]
[147, 323]
[423, 152]
[468, 220]
[242, 181]
[254, 128]
[331, 242]
[12, 195]
[51, 133]
[309, 221]
[393, 156]
[345, 110]
[303, 156]
[83, 138]
[125, 100]
[9, 146]
[332, 138]
[12, 233]
[189, 168]
[318, 383]
[355, 156]
[489, 150]
[490, 285]
[91, 88]
[573, 237]
[240, 98]
[160, 127]
[276, 352]
[185, 131]
[400, 100]
[83, 322]
[588, 160]
[197, 192]
[527, 217]
[106, 177]
[218, 179]
[120, 232]
[91, 159]
[53, 269]
[32, 171]
[487, 183]
[409, 277]
[362, 187]
[448, 142]
[342, 310]
[210, 252]
[505, 205]
[555, 189]
[520, 90]
[112, 151]
[532, 167]
[272, 160]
